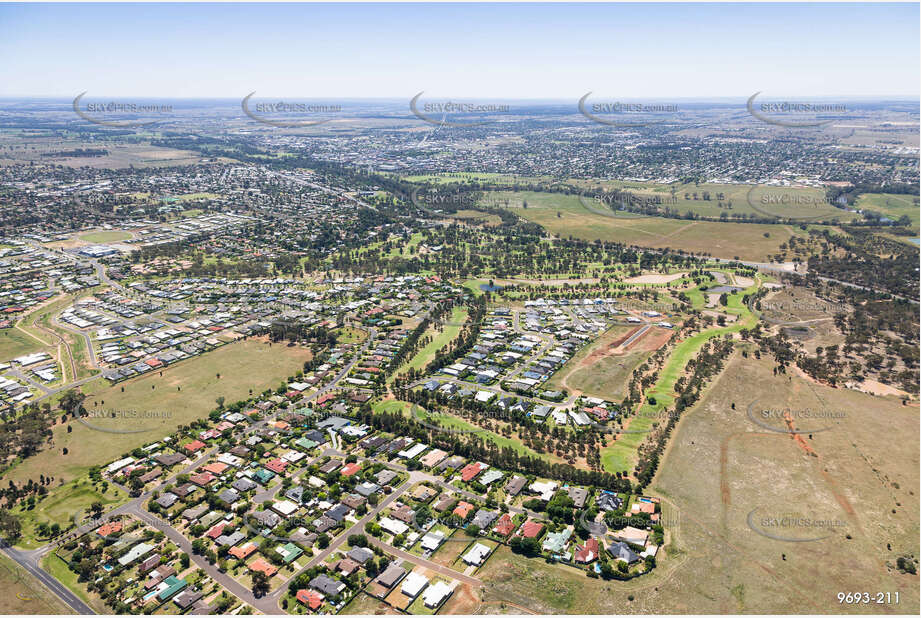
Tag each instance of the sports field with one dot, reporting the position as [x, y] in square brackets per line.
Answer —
[103, 236]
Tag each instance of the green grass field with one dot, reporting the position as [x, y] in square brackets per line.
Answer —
[14, 342]
[103, 236]
[893, 206]
[243, 366]
[441, 336]
[60, 506]
[621, 456]
[565, 216]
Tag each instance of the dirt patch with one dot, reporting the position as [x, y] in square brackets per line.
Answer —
[655, 278]
[465, 600]
[877, 388]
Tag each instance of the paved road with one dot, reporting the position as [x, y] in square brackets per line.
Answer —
[433, 566]
[28, 561]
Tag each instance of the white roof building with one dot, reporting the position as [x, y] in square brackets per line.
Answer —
[432, 540]
[477, 554]
[413, 584]
[393, 526]
[284, 507]
[436, 593]
[544, 489]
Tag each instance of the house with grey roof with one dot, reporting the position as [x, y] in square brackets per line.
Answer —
[167, 500]
[483, 518]
[326, 585]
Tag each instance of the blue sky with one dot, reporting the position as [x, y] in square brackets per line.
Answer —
[499, 51]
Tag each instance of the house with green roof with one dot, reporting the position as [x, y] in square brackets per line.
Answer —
[305, 443]
[556, 541]
[289, 552]
[263, 476]
[174, 585]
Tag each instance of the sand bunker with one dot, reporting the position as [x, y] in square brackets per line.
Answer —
[655, 278]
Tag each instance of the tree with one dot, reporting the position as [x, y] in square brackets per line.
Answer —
[260, 583]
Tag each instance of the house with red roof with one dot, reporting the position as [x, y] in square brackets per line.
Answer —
[310, 598]
[350, 469]
[472, 470]
[586, 553]
[109, 528]
[202, 479]
[242, 552]
[277, 465]
[216, 530]
[215, 467]
[531, 529]
[504, 526]
[324, 398]
[463, 509]
[193, 446]
[259, 564]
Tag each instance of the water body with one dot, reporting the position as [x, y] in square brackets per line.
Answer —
[720, 289]
[916, 241]
[490, 288]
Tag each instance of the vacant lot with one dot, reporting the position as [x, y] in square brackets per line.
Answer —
[603, 368]
[14, 342]
[721, 466]
[363, 604]
[184, 392]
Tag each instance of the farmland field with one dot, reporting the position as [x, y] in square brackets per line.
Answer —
[564, 216]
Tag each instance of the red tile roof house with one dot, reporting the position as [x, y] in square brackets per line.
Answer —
[193, 446]
[463, 509]
[109, 528]
[277, 466]
[324, 398]
[216, 530]
[242, 552]
[470, 471]
[586, 553]
[504, 526]
[310, 598]
[202, 479]
[215, 467]
[350, 469]
[531, 529]
[260, 564]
